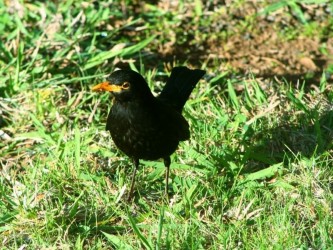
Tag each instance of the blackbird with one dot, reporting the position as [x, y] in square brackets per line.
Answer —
[147, 127]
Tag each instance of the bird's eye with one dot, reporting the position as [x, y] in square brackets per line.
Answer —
[125, 85]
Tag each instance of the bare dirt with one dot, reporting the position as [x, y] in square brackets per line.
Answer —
[249, 37]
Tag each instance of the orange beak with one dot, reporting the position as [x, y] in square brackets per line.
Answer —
[106, 86]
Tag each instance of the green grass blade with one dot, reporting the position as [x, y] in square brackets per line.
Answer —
[117, 241]
[232, 95]
[160, 229]
[137, 231]
[77, 141]
[116, 51]
[265, 173]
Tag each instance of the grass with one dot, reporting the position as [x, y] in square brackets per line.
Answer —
[256, 173]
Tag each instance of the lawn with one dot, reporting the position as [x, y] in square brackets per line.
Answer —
[257, 171]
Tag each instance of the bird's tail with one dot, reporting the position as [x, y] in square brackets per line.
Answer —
[180, 85]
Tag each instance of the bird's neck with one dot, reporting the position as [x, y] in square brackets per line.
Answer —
[135, 102]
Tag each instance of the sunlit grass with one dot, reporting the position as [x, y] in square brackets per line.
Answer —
[256, 173]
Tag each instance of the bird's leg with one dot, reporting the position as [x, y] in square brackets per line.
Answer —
[167, 166]
[136, 166]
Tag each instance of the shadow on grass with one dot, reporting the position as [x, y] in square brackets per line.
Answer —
[311, 135]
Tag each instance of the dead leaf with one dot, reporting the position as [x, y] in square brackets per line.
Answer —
[119, 46]
[308, 63]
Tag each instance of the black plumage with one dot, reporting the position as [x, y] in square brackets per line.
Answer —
[146, 127]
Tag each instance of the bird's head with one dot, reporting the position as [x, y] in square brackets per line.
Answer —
[125, 85]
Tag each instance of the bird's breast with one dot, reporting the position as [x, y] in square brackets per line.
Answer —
[140, 133]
